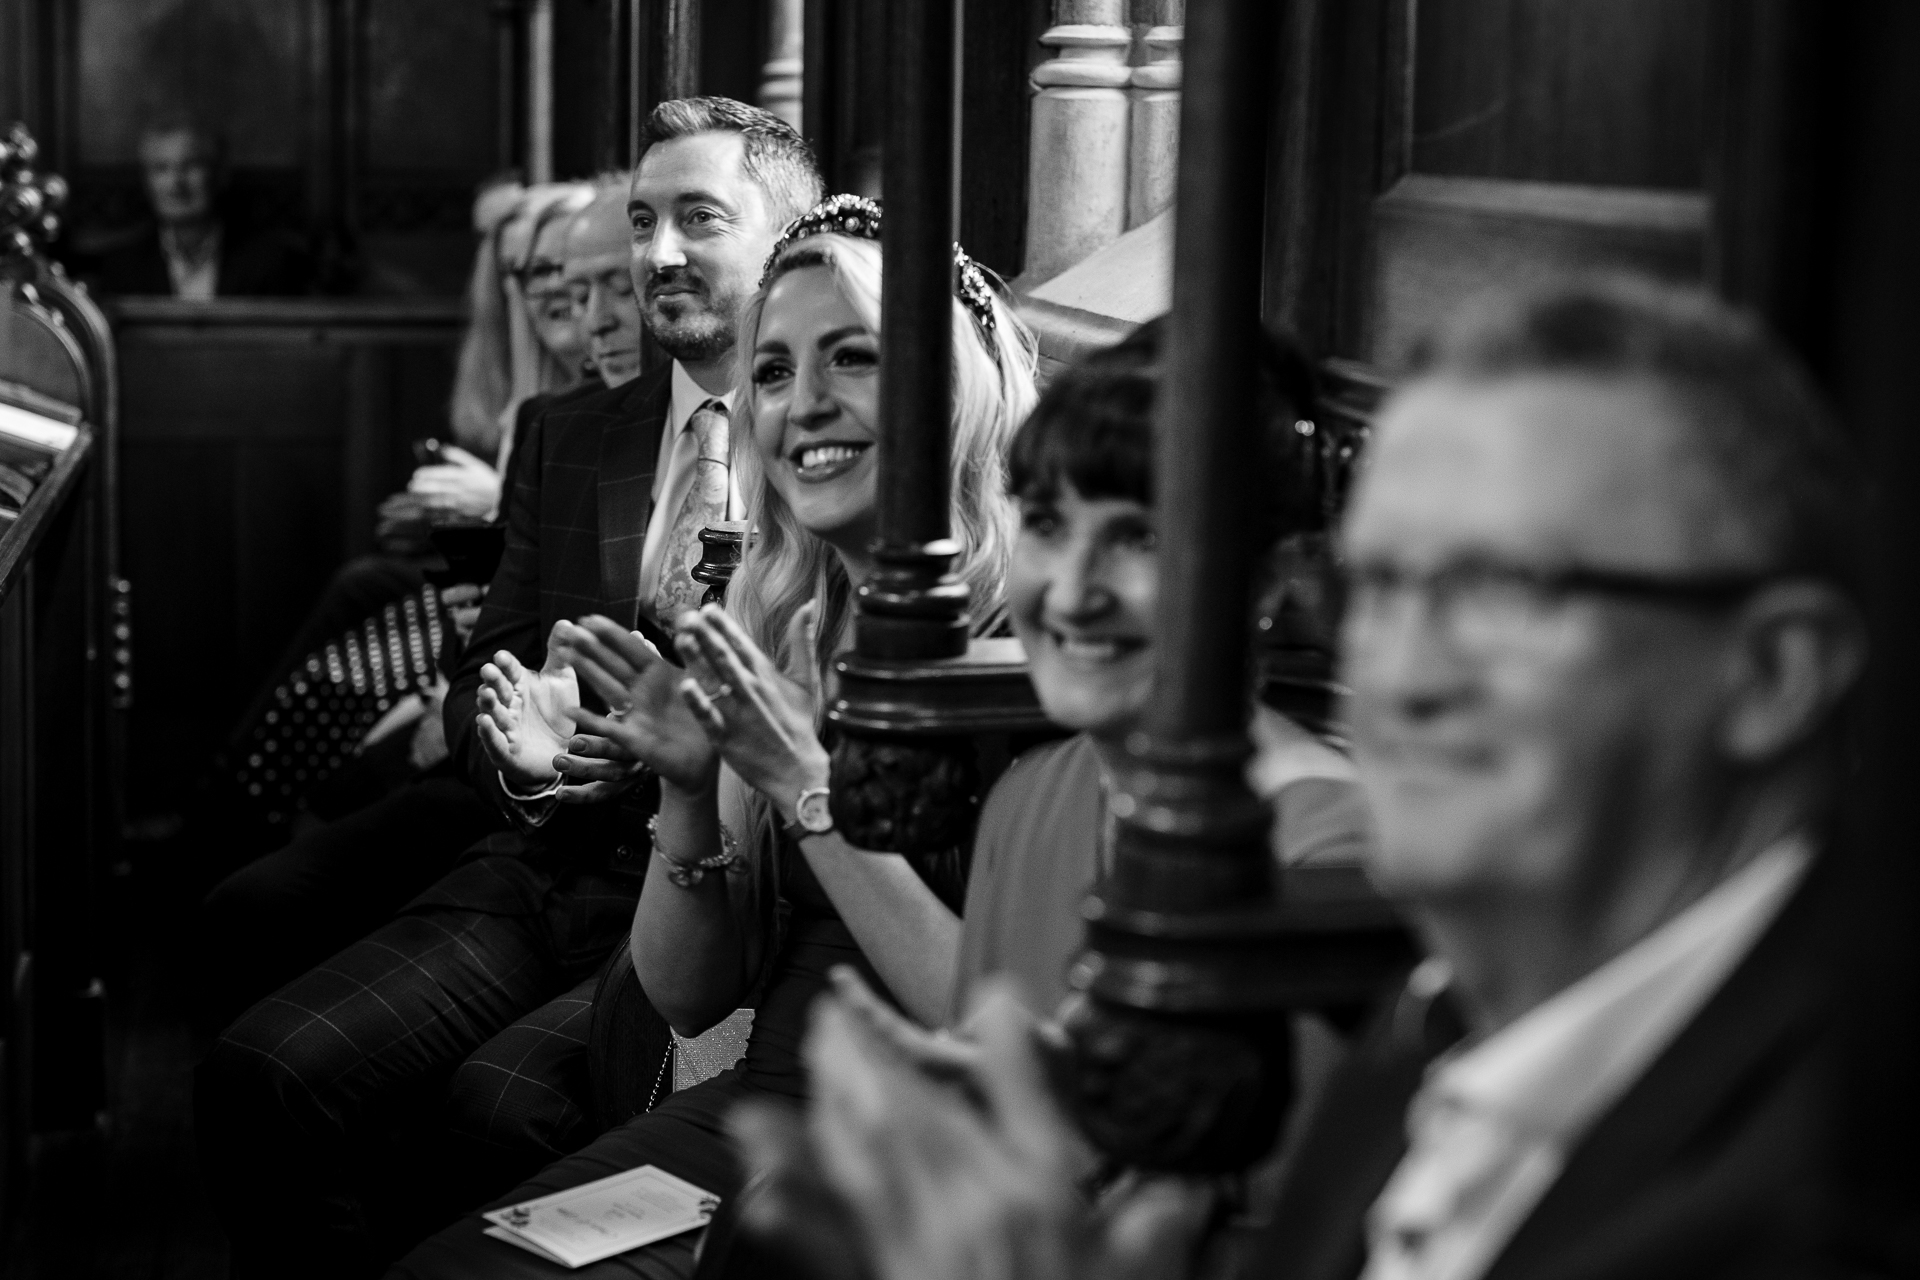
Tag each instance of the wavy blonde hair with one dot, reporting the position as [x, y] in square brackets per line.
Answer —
[993, 391]
[500, 360]
[535, 368]
[785, 566]
[483, 376]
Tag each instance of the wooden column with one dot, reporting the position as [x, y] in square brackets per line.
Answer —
[996, 106]
[1181, 1055]
[1153, 149]
[1077, 163]
[912, 607]
[914, 690]
[507, 44]
[539, 91]
[678, 48]
[624, 76]
[820, 85]
[781, 84]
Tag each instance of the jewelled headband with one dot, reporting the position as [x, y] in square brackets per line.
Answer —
[859, 217]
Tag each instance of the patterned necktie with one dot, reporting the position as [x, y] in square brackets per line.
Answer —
[706, 503]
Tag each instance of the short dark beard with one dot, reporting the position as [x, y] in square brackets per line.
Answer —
[699, 336]
[693, 339]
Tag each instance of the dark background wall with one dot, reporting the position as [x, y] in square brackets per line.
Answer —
[255, 441]
[366, 123]
[258, 435]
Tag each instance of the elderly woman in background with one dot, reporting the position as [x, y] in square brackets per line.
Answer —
[522, 340]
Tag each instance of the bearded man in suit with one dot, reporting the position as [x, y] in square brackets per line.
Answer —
[1602, 622]
[298, 1101]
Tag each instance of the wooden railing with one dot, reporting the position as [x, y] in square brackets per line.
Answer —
[56, 804]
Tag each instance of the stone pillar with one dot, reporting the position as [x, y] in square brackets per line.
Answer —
[1154, 144]
[1077, 164]
[780, 79]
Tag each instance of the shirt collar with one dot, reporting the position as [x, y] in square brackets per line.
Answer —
[209, 251]
[1561, 1065]
[688, 396]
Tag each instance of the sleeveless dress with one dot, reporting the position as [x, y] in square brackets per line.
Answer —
[684, 1134]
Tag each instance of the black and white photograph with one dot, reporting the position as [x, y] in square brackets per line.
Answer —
[959, 639]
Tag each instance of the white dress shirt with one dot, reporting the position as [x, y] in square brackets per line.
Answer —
[1493, 1124]
[673, 478]
[194, 278]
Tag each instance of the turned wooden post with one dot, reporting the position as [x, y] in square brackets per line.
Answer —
[822, 84]
[914, 689]
[1181, 1054]
[679, 48]
[912, 607]
[781, 84]
[539, 82]
[721, 546]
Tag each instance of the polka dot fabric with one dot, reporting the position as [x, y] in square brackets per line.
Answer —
[320, 713]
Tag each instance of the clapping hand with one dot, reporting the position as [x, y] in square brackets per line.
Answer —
[920, 1179]
[939, 1055]
[527, 717]
[760, 719]
[650, 721]
[461, 484]
[529, 722]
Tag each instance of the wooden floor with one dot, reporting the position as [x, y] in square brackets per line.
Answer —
[124, 1202]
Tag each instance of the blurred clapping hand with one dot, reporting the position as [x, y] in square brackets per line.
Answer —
[928, 1157]
[459, 489]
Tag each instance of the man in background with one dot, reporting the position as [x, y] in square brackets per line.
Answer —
[191, 249]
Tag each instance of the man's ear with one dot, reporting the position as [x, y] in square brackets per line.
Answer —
[1802, 645]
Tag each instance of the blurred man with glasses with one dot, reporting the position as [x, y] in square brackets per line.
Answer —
[1603, 619]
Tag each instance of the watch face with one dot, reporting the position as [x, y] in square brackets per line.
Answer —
[813, 812]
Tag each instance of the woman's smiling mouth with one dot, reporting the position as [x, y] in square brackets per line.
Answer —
[1095, 650]
[815, 463]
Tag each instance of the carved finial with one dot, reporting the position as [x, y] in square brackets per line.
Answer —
[30, 201]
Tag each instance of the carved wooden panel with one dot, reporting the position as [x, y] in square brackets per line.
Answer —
[1526, 138]
[1596, 92]
[258, 435]
[430, 78]
[1429, 149]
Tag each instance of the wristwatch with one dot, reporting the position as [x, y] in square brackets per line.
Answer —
[812, 816]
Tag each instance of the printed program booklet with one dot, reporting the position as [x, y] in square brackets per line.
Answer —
[599, 1219]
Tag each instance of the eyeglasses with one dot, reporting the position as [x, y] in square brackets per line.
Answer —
[1488, 607]
[536, 271]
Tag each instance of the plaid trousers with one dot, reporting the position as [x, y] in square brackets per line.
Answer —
[315, 1110]
[521, 1100]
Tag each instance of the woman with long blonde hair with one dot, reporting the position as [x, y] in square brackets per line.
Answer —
[522, 340]
[738, 906]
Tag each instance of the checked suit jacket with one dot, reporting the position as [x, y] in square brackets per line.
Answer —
[1716, 1163]
[576, 523]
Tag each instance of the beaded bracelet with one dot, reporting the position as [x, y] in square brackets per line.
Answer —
[689, 874]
